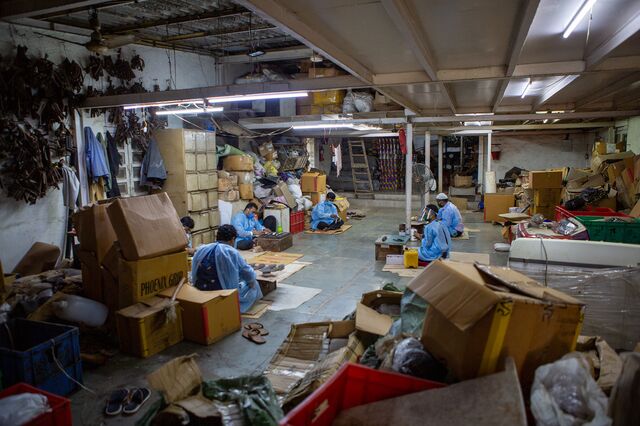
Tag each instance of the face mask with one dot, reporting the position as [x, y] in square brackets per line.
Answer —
[249, 215]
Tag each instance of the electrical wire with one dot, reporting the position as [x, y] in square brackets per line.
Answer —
[53, 353]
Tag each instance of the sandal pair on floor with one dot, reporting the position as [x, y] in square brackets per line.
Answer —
[126, 401]
[254, 332]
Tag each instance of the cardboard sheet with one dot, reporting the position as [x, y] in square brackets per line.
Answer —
[273, 258]
[369, 320]
[342, 229]
[288, 270]
[464, 236]
[289, 297]
[461, 256]
[256, 311]
[401, 271]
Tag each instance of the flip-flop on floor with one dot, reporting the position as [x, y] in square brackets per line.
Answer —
[342, 229]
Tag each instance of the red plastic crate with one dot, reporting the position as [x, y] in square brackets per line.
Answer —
[562, 213]
[296, 222]
[60, 414]
[351, 386]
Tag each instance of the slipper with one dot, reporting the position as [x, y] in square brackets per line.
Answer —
[277, 268]
[137, 397]
[258, 266]
[257, 326]
[116, 401]
[254, 336]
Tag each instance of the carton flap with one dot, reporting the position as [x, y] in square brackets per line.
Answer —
[456, 290]
[341, 329]
[369, 320]
[177, 379]
[147, 307]
[188, 293]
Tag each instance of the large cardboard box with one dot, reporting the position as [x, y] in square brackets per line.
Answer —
[231, 195]
[496, 204]
[313, 182]
[283, 190]
[545, 179]
[244, 177]
[246, 191]
[462, 181]
[147, 226]
[92, 284]
[368, 319]
[207, 316]
[149, 327]
[227, 183]
[476, 319]
[549, 197]
[238, 163]
[317, 197]
[141, 279]
[94, 229]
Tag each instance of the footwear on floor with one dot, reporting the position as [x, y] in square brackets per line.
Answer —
[116, 402]
[254, 336]
[137, 397]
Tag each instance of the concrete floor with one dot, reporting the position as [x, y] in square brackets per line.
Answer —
[343, 267]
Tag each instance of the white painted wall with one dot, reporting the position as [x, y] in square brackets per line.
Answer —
[542, 152]
[21, 224]
[633, 135]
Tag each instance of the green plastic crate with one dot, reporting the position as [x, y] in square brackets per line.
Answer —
[615, 232]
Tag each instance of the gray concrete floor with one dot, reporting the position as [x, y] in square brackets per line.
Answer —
[343, 267]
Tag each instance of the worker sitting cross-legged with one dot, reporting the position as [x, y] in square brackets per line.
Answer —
[325, 215]
[450, 215]
[219, 266]
[247, 226]
[436, 241]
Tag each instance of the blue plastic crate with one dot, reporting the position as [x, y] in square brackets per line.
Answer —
[29, 350]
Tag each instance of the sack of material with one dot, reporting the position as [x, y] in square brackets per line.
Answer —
[238, 163]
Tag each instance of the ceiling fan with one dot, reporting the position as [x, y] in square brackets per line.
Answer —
[101, 44]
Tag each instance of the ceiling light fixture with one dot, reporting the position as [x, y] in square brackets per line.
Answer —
[152, 105]
[315, 57]
[586, 7]
[323, 126]
[526, 89]
[381, 135]
[257, 96]
[255, 53]
[189, 111]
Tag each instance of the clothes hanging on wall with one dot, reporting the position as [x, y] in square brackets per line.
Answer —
[96, 161]
[113, 156]
[103, 146]
[70, 187]
[337, 157]
[390, 164]
[97, 190]
[153, 172]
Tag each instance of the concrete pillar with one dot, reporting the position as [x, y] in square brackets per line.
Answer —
[440, 164]
[480, 160]
[408, 175]
[489, 151]
[426, 198]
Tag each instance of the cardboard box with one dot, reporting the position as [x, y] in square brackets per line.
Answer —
[598, 162]
[496, 204]
[94, 229]
[371, 321]
[212, 198]
[600, 148]
[341, 203]
[238, 163]
[317, 197]
[313, 182]
[92, 285]
[266, 149]
[608, 203]
[476, 319]
[462, 181]
[142, 279]
[342, 214]
[229, 196]
[326, 109]
[149, 327]
[214, 218]
[545, 179]
[227, 183]
[246, 191]
[547, 197]
[207, 316]
[282, 190]
[324, 72]
[244, 177]
[147, 226]
[197, 201]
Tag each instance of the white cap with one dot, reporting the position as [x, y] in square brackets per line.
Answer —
[442, 196]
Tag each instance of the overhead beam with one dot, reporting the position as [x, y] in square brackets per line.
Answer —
[405, 21]
[101, 6]
[269, 56]
[218, 33]
[551, 91]
[607, 47]
[525, 18]
[612, 89]
[521, 117]
[16, 9]
[472, 129]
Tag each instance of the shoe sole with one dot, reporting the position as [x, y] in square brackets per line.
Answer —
[138, 407]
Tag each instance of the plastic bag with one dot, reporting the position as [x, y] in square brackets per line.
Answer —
[409, 357]
[19, 409]
[295, 190]
[565, 394]
[413, 309]
[349, 103]
[363, 101]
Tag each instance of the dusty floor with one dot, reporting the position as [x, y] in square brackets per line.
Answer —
[343, 267]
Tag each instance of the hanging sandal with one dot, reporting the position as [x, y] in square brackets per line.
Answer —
[116, 401]
[254, 336]
[137, 397]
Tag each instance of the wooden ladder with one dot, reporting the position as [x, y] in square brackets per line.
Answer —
[360, 173]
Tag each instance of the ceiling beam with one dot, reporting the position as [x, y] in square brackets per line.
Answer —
[101, 6]
[525, 18]
[269, 56]
[218, 33]
[621, 35]
[598, 124]
[522, 117]
[551, 91]
[612, 89]
[405, 21]
[15, 9]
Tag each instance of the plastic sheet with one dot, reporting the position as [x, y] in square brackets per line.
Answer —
[409, 357]
[19, 409]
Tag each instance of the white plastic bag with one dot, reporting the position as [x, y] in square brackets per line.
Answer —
[295, 190]
[16, 410]
[565, 394]
[348, 104]
[363, 101]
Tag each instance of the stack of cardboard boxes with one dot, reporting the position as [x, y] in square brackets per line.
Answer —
[327, 102]
[314, 184]
[238, 178]
[547, 191]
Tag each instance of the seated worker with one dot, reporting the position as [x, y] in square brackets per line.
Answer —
[325, 215]
[188, 224]
[247, 227]
[219, 266]
[436, 240]
[449, 215]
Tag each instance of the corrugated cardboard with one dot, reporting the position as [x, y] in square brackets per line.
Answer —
[147, 226]
[197, 201]
[371, 321]
[238, 163]
[39, 258]
[214, 218]
[283, 190]
[246, 191]
[244, 177]
[545, 179]
[313, 182]
[207, 316]
[597, 161]
[323, 72]
[496, 204]
[92, 285]
[142, 279]
[227, 183]
[462, 181]
[475, 320]
[200, 220]
[94, 229]
[549, 197]
[229, 196]
[317, 197]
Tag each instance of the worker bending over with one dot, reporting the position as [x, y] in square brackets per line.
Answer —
[436, 241]
[449, 215]
[325, 215]
[219, 266]
[247, 227]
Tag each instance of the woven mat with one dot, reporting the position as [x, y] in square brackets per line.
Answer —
[342, 229]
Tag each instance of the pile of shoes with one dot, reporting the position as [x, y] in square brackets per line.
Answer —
[266, 270]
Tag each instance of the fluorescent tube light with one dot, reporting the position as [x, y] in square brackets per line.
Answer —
[381, 135]
[526, 89]
[586, 7]
[324, 126]
[257, 96]
[189, 111]
[196, 102]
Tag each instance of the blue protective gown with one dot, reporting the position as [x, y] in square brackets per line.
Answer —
[322, 213]
[233, 272]
[244, 226]
[97, 165]
[451, 218]
[436, 242]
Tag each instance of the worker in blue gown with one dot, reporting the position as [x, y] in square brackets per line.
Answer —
[247, 226]
[436, 241]
[324, 216]
[450, 215]
[219, 266]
